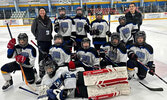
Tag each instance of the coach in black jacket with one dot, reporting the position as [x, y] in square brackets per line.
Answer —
[42, 30]
[133, 16]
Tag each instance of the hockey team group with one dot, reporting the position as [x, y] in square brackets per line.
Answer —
[68, 63]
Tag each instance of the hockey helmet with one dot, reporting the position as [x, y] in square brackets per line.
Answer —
[56, 37]
[115, 35]
[79, 14]
[140, 34]
[61, 9]
[24, 37]
[50, 66]
[122, 18]
[83, 41]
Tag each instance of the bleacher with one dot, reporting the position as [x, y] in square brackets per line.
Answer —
[17, 15]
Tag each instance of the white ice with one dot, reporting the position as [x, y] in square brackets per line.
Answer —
[156, 31]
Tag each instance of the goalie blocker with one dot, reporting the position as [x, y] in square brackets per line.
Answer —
[101, 84]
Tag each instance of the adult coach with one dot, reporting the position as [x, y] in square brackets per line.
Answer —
[133, 16]
[42, 30]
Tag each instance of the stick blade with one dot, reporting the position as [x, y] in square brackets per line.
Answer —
[152, 89]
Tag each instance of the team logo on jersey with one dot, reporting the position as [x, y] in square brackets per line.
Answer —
[64, 26]
[100, 28]
[79, 26]
[25, 54]
[141, 55]
[126, 32]
[85, 59]
[113, 54]
[56, 56]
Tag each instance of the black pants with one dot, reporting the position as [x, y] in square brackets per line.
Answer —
[44, 46]
[97, 46]
[13, 66]
[141, 71]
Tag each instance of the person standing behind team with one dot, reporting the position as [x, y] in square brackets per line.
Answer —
[134, 16]
[42, 30]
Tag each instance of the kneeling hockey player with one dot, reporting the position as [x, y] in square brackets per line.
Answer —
[144, 53]
[25, 55]
[115, 52]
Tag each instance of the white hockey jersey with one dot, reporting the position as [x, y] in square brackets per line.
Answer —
[67, 25]
[126, 31]
[88, 57]
[116, 54]
[102, 26]
[60, 54]
[144, 53]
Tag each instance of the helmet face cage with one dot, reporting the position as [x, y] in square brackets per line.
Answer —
[115, 36]
[49, 66]
[85, 40]
[122, 18]
[24, 37]
[140, 34]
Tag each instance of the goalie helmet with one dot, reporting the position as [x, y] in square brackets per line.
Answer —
[83, 41]
[116, 36]
[50, 66]
[56, 37]
[122, 18]
[140, 34]
[24, 37]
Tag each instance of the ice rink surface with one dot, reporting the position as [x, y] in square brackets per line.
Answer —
[156, 35]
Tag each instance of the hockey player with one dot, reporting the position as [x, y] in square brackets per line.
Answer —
[87, 56]
[25, 57]
[115, 51]
[59, 52]
[82, 26]
[59, 81]
[99, 30]
[144, 53]
[126, 31]
[65, 26]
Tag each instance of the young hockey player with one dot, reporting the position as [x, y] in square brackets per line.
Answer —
[82, 26]
[59, 52]
[115, 51]
[65, 26]
[126, 31]
[99, 30]
[59, 82]
[144, 53]
[87, 56]
[25, 56]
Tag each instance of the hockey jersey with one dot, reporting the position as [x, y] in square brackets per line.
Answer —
[126, 31]
[66, 26]
[88, 57]
[80, 22]
[29, 52]
[103, 27]
[144, 53]
[117, 54]
[60, 54]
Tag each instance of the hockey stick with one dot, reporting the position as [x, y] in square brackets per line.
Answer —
[21, 67]
[109, 26]
[27, 90]
[151, 89]
[38, 47]
[147, 68]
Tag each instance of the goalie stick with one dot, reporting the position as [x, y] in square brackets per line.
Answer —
[147, 68]
[21, 67]
[151, 89]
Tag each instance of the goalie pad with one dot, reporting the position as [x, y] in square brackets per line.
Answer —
[104, 76]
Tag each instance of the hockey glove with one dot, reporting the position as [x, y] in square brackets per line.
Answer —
[152, 70]
[94, 32]
[132, 55]
[56, 27]
[20, 58]
[86, 27]
[108, 33]
[102, 54]
[11, 43]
